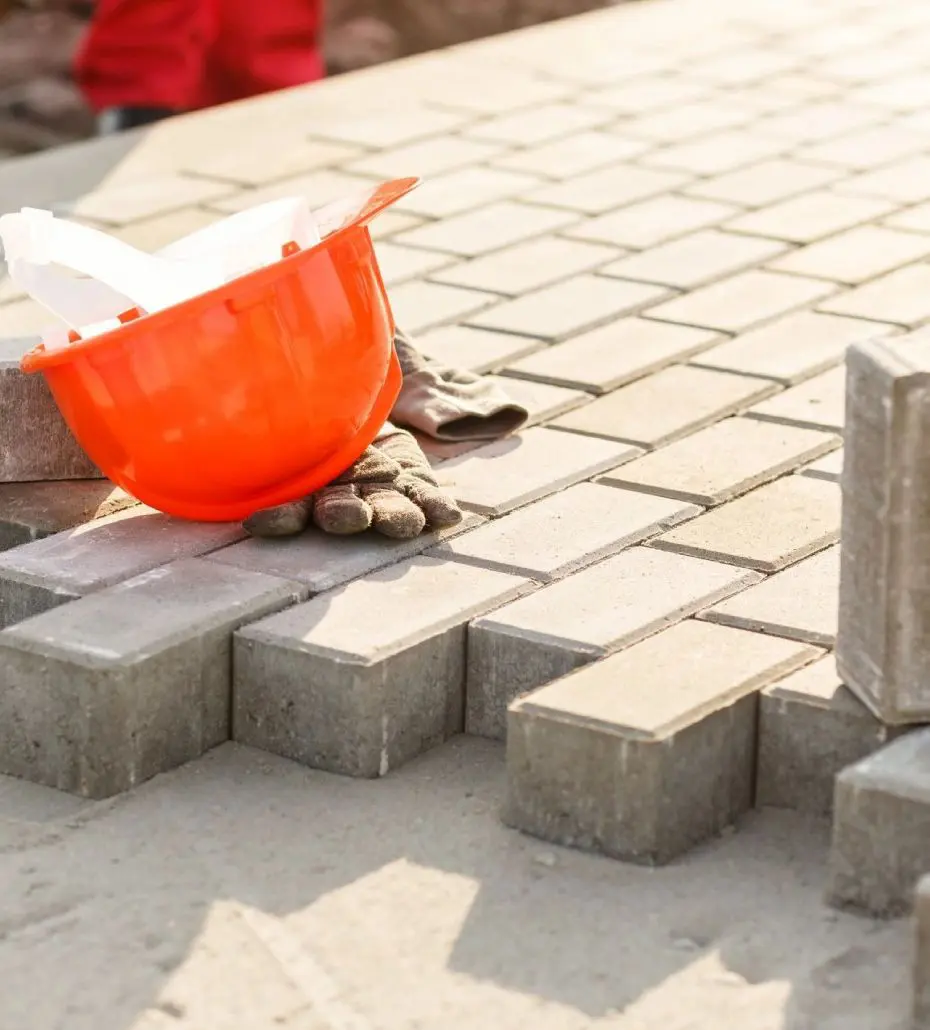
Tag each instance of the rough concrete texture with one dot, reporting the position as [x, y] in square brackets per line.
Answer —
[883, 647]
[881, 827]
[811, 727]
[102, 694]
[35, 443]
[366, 677]
[608, 606]
[649, 752]
[921, 964]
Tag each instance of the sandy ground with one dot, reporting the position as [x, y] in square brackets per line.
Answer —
[244, 891]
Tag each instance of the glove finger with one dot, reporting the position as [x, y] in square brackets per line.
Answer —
[440, 509]
[284, 520]
[393, 515]
[340, 510]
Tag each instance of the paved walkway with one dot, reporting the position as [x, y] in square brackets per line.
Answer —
[663, 223]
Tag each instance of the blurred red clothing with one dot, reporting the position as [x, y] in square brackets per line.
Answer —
[188, 54]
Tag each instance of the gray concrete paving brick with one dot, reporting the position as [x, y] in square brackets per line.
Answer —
[601, 609]
[35, 442]
[669, 404]
[560, 534]
[819, 403]
[901, 297]
[858, 254]
[767, 529]
[742, 301]
[480, 350]
[603, 190]
[800, 602]
[32, 511]
[569, 307]
[695, 260]
[46, 573]
[723, 461]
[102, 694]
[651, 222]
[359, 694]
[614, 354]
[811, 216]
[649, 752]
[764, 183]
[883, 651]
[506, 474]
[811, 727]
[881, 828]
[921, 968]
[829, 467]
[793, 348]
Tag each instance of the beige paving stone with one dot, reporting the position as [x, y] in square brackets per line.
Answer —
[505, 474]
[869, 65]
[120, 205]
[666, 405]
[479, 350]
[811, 216]
[742, 300]
[604, 608]
[250, 166]
[684, 121]
[744, 66]
[527, 266]
[914, 219]
[318, 187]
[829, 467]
[791, 349]
[856, 255]
[465, 189]
[533, 126]
[711, 155]
[723, 461]
[903, 93]
[487, 228]
[154, 233]
[906, 182]
[574, 155]
[901, 297]
[801, 602]
[648, 753]
[400, 264]
[563, 533]
[821, 121]
[390, 223]
[388, 128]
[869, 148]
[811, 727]
[613, 355]
[767, 529]
[647, 93]
[25, 318]
[764, 183]
[651, 222]
[818, 403]
[569, 307]
[695, 260]
[419, 305]
[427, 157]
[8, 289]
[543, 401]
[597, 192]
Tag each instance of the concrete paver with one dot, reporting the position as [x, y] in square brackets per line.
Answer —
[900, 297]
[764, 183]
[811, 216]
[818, 403]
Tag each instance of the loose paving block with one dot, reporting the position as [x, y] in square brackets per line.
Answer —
[669, 404]
[35, 442]
[856, 255]
[648, 753]
[811, 727]
[505, 474]
[766, 529]
[480, 350]
[32, 511]
[801, 602]
[883, 649]
[716, 153]
[603, 190]
[881, 828]
[742, 301]
[764, 183]
[811, 216]
[905, 181]
[486, 229]
[792, 348]
[723, 461]
[569, 307]
[651, 222]
[360, 695]
[420, 305]
[614, 354]
[819, 403]
[696, 259]
[593, 613]
[902, 297]
[573, 156]
[102, 694]
[829, 467]
[921, 971]
[46, 573]
[527, 266]
[553, 537]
